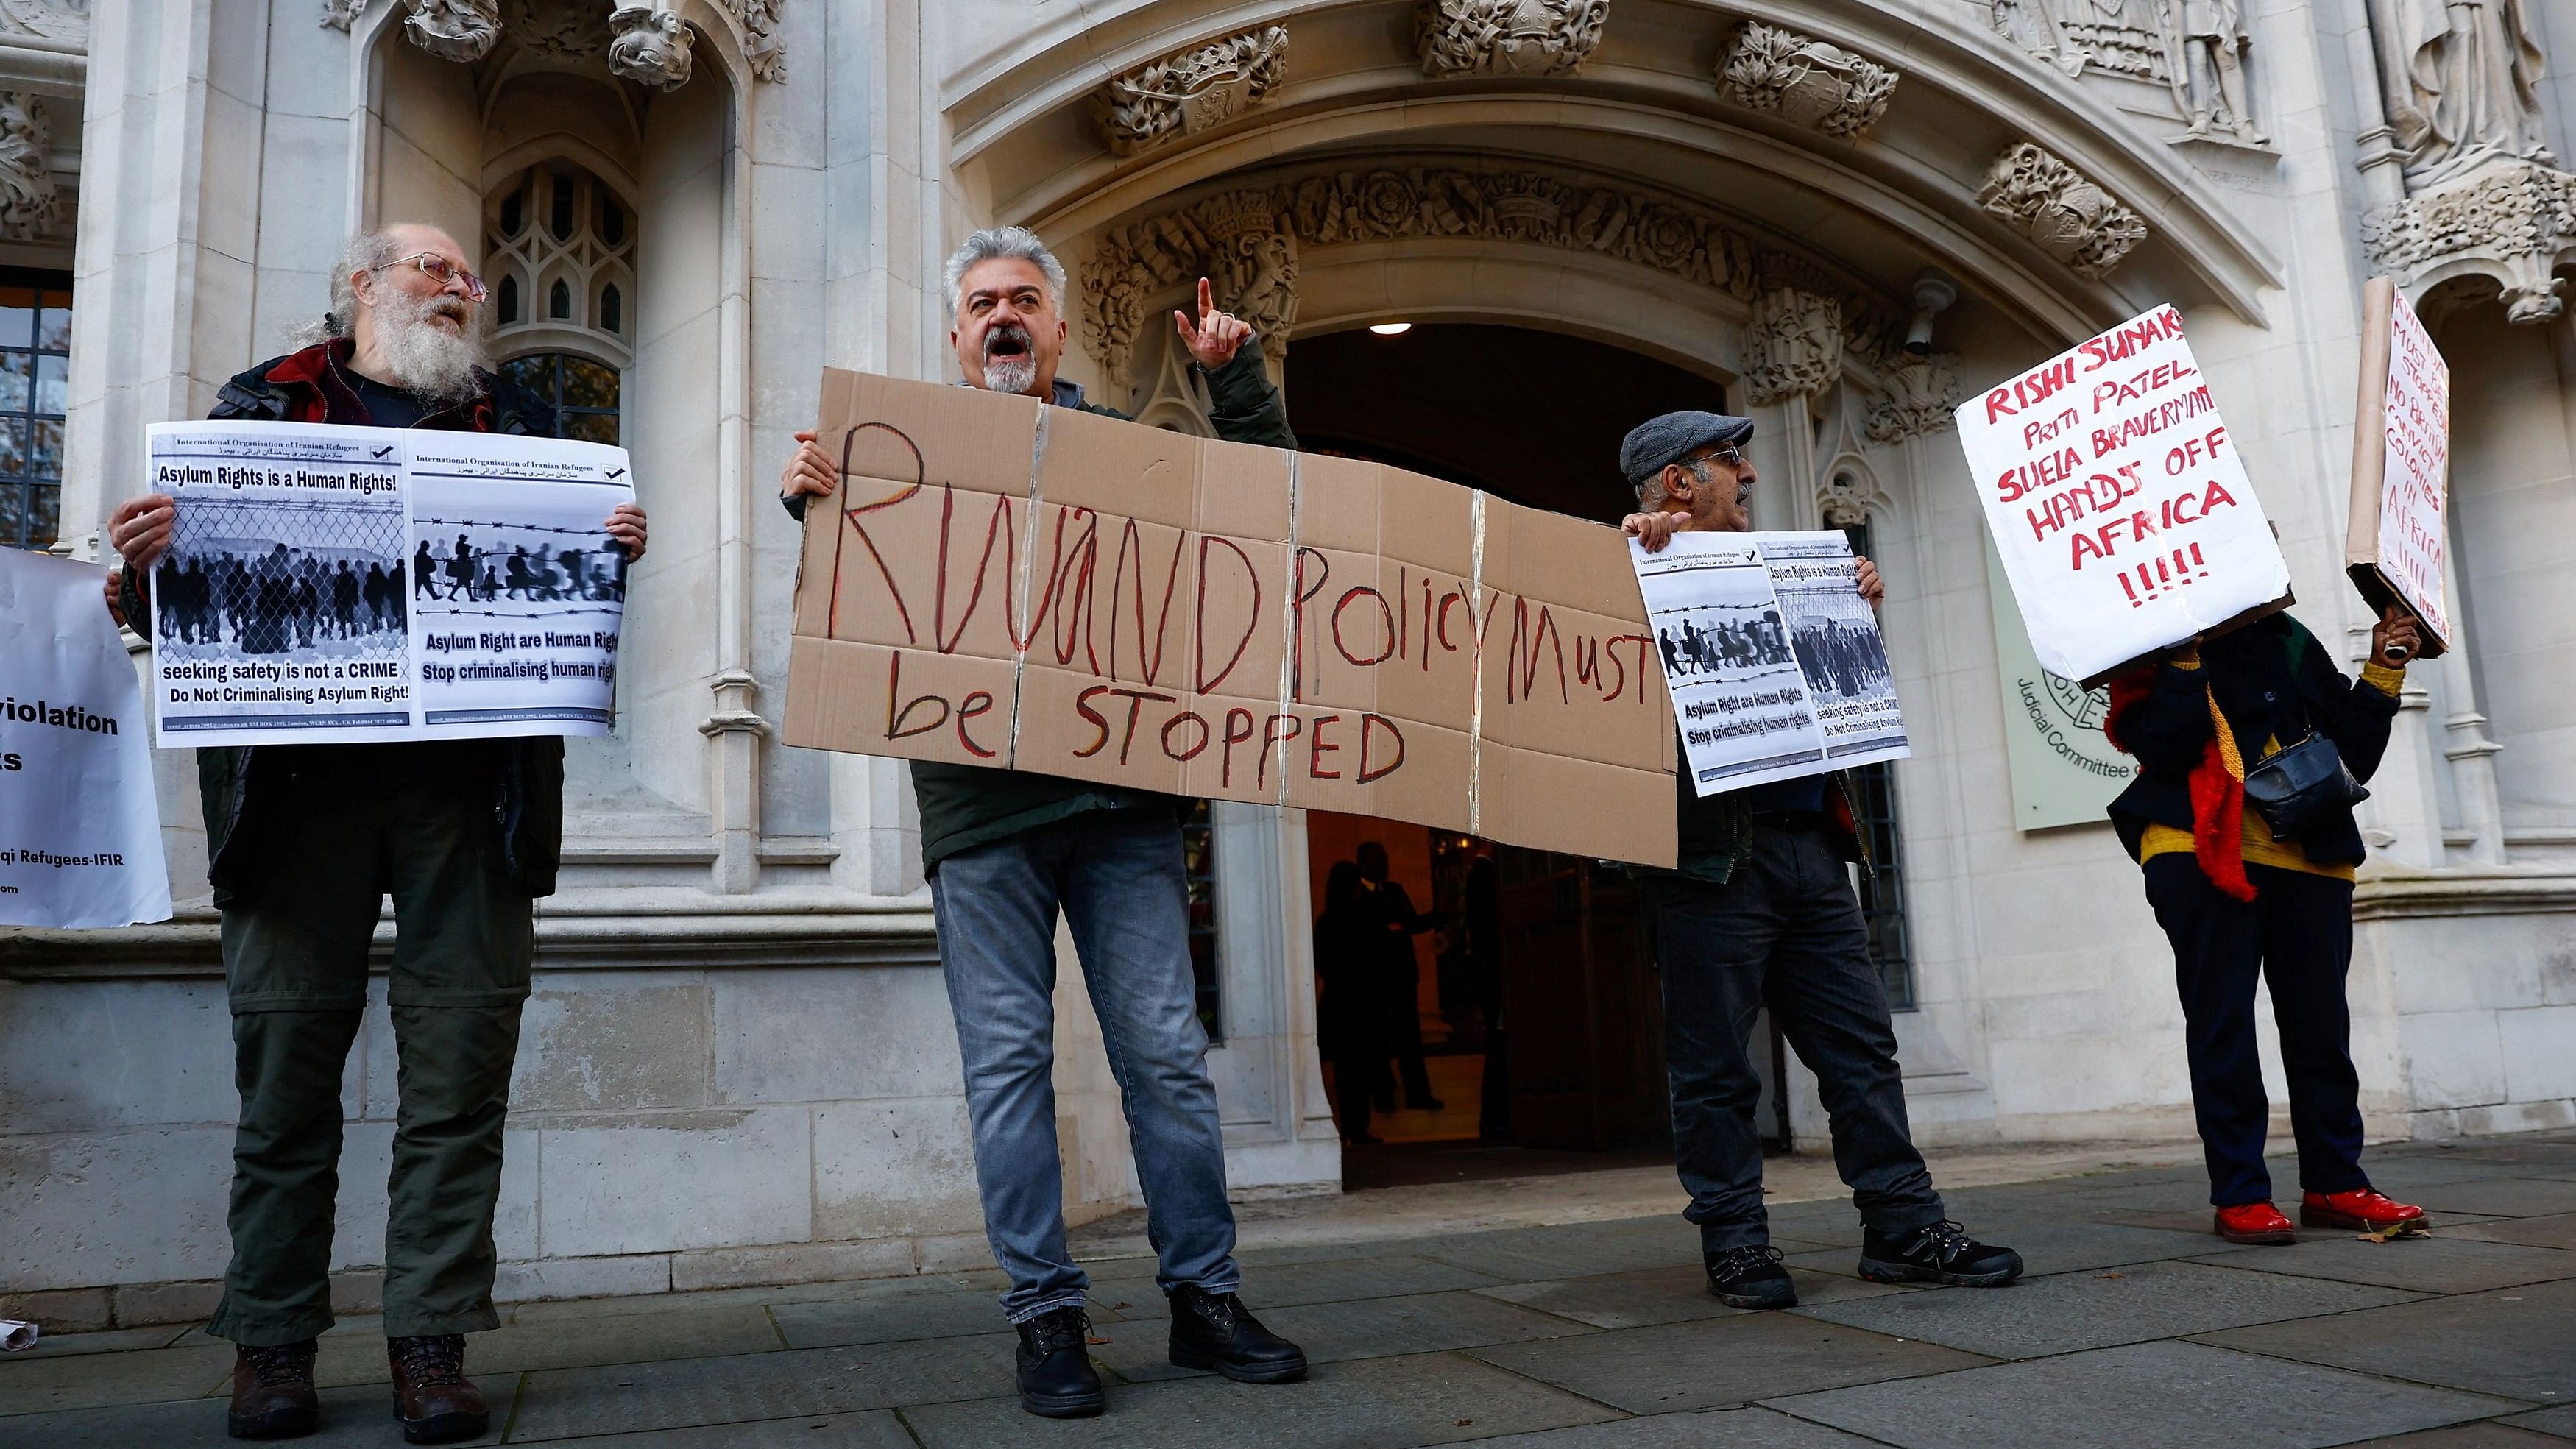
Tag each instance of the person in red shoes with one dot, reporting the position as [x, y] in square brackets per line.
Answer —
[2237, 902]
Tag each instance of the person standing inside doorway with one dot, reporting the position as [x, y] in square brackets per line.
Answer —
[2239, 902]
[1761, 910]
[1006, 852]
[1399, 982]
[1348, 1020]
[304, 842]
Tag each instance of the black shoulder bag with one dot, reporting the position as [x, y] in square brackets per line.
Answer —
[2304, 782]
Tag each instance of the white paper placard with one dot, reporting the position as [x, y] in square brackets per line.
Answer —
[2117, 501]
[2401, 465]
[332, 584]
[1773, 659]
[80, 833]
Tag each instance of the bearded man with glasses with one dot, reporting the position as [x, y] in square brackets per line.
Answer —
[303, 843]
[1760, 910]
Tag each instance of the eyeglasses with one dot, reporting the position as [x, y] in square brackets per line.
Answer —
[442, 271]
[1726, 453]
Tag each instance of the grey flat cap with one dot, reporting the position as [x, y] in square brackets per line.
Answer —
[1675, 436]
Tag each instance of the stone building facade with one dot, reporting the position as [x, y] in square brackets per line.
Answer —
[738, 1066]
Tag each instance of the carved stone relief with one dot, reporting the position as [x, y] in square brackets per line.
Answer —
[459, 30]
[2064, 213]
[2462, 84]
[1248, 243]
[649, 44]
[1507, 37]
[1921, 394]
[2210, 80]
[1794, 346]
[28, 200]
[1184, 94]
[48, 19]
[645, 40]
[2512, 222]
[557, 31]
[1806, 80]
[2197, 51]
[761, 49]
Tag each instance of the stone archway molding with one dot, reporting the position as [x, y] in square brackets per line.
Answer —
[1057, 65]
[1795, 319]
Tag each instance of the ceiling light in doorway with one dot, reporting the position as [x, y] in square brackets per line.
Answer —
[1390, 329]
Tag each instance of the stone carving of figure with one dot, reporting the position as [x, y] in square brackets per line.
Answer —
[2212, 85]
[2032, 25]
[2462, 79]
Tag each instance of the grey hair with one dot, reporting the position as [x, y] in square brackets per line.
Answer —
[1650, 489]
[363, 252]
[1016, 242]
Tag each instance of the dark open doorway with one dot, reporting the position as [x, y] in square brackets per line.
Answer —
[1532, 986]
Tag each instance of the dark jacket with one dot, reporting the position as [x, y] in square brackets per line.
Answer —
[1716, 831]
[963, 806]
[2272, 680]
[236, 786]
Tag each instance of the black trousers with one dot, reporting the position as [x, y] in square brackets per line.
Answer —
[2296, 934]
[1785, 931]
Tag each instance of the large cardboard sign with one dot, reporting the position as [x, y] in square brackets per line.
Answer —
[1004, 584]
[332, 584]
[1773, 659]
[2401, 466]
[2117, 501]
[80, 835]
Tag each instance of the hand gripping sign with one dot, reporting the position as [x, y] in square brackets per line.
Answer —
[2118, 503]
[1002, 584]
[2401, 466]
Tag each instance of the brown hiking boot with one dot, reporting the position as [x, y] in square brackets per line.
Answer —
[431, 1396]
[272, 1392]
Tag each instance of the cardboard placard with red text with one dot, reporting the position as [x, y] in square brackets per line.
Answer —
[1022, 587]
[2401, 466]
[2118, 503]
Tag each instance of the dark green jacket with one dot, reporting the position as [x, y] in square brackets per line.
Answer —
[1716, 831]
[963, 806]
[236, 785]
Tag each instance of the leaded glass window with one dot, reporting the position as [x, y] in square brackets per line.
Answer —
[584, 393]
[35, 364]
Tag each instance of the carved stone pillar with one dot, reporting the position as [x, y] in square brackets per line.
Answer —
[736, 730]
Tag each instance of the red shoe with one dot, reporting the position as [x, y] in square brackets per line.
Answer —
[2362, 1210]
[2255, 1222]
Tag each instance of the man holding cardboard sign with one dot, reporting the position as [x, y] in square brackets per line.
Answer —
[1761, 909]
[1006, 850]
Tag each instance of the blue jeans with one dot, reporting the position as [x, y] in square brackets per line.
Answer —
[1784, 931]
[1117, 876]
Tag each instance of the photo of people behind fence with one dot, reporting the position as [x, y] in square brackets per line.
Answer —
[1724, 644]
[1841, 659]
[258, 578]
[493, 562]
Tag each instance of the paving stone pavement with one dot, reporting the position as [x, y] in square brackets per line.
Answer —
[2134, 1330]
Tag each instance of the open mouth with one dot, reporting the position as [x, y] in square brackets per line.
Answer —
[1006, 344]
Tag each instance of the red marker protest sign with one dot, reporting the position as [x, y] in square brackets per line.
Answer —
[2118, 501]
[2401, 465]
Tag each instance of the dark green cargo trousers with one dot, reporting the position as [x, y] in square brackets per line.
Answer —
[353, 824]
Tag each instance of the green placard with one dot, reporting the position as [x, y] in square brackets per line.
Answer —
[2064, 771]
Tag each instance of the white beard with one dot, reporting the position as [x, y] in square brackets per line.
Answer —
[1010, 374]
[425, 358]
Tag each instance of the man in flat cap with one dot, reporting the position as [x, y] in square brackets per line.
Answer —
[1760, 909]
